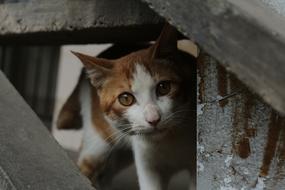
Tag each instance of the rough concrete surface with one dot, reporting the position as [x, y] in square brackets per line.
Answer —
[241, 142]
[76, 21]
[30, 158]
[276, 5]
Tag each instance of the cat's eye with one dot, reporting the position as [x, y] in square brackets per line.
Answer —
[126, 99]
[163, 88]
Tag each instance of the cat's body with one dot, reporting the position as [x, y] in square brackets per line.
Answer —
[144, 102]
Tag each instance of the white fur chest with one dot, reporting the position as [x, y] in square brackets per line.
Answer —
[170, 154]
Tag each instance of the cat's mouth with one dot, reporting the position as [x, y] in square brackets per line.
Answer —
[148, 131]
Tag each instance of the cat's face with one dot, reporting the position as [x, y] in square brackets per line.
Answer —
[143, 92]
[140, 95]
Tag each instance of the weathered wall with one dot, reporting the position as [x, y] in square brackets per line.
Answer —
[241, 140]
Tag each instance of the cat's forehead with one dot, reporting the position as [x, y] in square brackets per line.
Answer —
[129, 62]
[141, 79]
[134, 62]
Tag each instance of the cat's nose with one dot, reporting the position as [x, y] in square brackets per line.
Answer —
[152, 115]
[154, 122]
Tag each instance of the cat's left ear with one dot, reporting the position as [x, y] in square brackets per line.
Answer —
[97, 68]
[166, 44]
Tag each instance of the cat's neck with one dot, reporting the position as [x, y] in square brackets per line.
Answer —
[180, 134]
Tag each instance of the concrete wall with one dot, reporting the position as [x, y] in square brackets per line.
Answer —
[241, 142]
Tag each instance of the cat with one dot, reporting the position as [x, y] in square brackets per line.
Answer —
[144, 102]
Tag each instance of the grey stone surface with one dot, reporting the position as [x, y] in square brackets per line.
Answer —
[277, 6]
[30, 159]
[77, 21]
[241, 142]
[245, 36]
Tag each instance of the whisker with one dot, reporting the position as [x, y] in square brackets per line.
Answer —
[118, 139]
[175, 116]
[117, 132]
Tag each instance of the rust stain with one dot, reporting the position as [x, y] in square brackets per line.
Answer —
[280, 173]
[222, 84]
[250, 132]
[243, 130]
[282, 140]
[282, 149]
[201, 73]
[248, 104]
[243, 147]
[271, 145]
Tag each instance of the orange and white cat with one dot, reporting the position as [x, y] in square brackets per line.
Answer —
[144, 102]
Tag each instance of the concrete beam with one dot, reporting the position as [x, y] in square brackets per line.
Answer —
[77, 21]
[30, 157]
[245, 36]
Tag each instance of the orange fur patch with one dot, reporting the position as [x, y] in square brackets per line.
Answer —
[100, 123]
[87, 167]
[120, 81]
[90, 167]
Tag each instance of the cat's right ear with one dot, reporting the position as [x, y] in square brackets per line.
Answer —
[166, 44]
[97, 68]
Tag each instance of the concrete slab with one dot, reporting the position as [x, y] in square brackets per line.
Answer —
[30, 157]
[77, 21]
